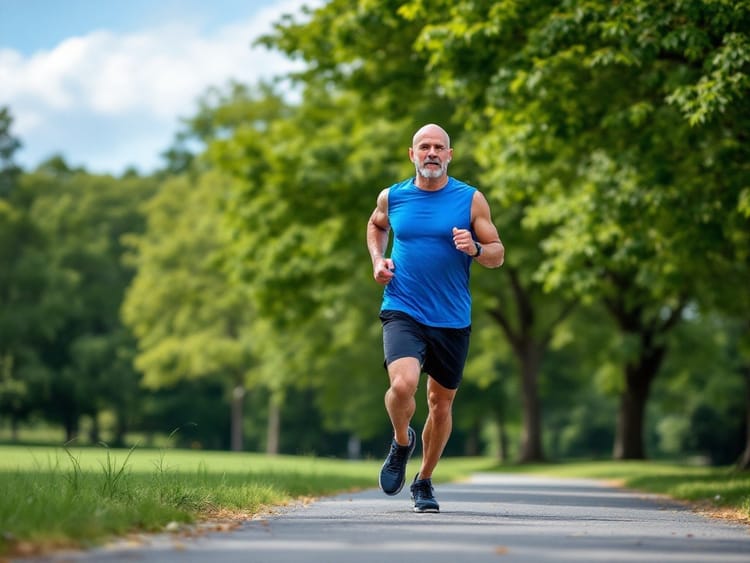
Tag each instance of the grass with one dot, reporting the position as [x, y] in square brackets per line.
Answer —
[58, 497]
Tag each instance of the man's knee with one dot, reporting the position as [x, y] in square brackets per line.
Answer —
[402, 387]
[404, 376]
[440, 401]
[440, 410]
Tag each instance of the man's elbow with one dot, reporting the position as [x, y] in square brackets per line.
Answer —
[500, 260]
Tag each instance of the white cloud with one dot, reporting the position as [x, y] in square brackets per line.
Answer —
[137, 84]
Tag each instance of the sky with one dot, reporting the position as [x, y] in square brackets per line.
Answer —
[105, 83]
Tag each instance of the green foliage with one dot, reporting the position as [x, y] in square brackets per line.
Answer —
[297, 242]
[63, 347]
[611, 142]
[9, 144]
[620, 128]
[188, 320]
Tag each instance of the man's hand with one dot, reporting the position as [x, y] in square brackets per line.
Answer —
[464, 241]
[382, 270]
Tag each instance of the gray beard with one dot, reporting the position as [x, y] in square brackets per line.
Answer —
[428, 173]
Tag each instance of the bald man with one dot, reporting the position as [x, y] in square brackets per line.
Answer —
[440, 227]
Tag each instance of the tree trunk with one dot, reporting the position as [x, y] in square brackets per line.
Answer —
[274, 427]
[529, 343]
[504, 453]
[744, 462]
[94, 430]
[502, 438]
[630, 419]
[354, 447]
[71, 427]
[531, 438]
[471, 444]
[237, 422]
[629, 438]
[650, 331]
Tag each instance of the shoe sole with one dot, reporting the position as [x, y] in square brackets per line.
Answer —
[426, 510]
[394, 493]
[403, 482]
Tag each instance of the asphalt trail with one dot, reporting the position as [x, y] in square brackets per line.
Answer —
[491, 517]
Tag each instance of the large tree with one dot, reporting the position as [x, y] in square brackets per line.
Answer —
[627, 124]
[81, 343]
[188, 320]
[298, 233]
[370, 50]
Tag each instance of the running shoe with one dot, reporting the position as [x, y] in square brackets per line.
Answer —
[393, 472]
[423, 495]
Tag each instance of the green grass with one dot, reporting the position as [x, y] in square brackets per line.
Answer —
[710, 488]
[54, 497]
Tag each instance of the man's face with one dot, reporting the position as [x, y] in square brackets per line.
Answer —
[431, 155]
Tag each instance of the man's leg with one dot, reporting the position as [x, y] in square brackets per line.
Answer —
[399, 399]
[437, 428]
[400, 404]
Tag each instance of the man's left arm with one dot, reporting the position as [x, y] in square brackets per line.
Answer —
[492, 254]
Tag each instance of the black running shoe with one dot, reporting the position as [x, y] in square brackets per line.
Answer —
[423, 497]
[393, 472]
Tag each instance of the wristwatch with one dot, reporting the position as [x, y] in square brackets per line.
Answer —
[479, 249]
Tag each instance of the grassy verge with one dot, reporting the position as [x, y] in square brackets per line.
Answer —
[56, 497]
[719, 491]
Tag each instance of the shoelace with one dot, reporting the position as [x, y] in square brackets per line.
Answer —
[398, 453]
[423, 488]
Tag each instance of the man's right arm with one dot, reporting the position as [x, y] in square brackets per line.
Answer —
[378, 229]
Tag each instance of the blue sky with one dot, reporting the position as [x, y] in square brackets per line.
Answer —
[105, 82]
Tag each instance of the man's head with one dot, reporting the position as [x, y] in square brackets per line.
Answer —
[431, 151]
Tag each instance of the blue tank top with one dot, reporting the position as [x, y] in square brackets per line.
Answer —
[431, 281]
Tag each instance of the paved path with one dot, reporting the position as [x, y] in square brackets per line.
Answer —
[492, 517]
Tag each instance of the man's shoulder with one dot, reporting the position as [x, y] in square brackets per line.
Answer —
[457, 184]
[403, 184]
[394, 190]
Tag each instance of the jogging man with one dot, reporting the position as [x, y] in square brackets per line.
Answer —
[440, 226]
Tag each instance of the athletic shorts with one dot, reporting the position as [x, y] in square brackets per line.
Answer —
[441, 352]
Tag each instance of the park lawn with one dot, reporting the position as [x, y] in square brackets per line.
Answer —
[79, 497]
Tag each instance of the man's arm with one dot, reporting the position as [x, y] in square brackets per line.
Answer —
[493, 251]
[378, 229]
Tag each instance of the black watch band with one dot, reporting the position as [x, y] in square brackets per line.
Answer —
[479, 249]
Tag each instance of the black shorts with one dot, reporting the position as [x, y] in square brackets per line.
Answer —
[441, 352]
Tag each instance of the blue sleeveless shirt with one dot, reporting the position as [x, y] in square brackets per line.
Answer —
[431, 277]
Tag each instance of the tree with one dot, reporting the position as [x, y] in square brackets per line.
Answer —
[31, 310]
[392, 77]
[80, 219]
[625, 122]
[189, 321]
[28, 311]
[9, 144]
[298, 225]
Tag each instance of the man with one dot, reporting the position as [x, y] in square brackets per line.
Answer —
[440, 226]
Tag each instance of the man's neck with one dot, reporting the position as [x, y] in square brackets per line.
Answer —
[431, 184]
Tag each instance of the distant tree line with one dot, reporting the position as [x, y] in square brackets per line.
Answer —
[229, 295]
